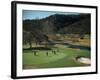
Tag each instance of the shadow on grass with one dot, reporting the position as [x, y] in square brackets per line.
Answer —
[65, 44]
[79, 47]
[37, 48]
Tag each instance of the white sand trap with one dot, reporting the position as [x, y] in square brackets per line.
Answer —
[84, 60]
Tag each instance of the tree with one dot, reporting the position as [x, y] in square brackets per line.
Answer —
[40, 37]
[27, 38]
[34, 36]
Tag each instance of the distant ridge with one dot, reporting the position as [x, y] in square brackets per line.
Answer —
[60, 23]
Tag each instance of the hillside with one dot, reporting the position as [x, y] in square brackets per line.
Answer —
[82, 26]
[59, 23]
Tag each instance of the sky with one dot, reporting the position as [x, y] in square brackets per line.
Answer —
[31, 14]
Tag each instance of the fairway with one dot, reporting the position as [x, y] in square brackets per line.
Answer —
[65, 57]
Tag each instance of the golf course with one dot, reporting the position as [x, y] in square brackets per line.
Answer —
[59, 55]
[56, 39]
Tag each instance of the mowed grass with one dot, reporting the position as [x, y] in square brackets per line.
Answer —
[65, 57]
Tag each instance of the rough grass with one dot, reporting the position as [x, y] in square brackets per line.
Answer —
[84, 42]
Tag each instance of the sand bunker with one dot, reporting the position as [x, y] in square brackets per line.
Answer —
[84, 60]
